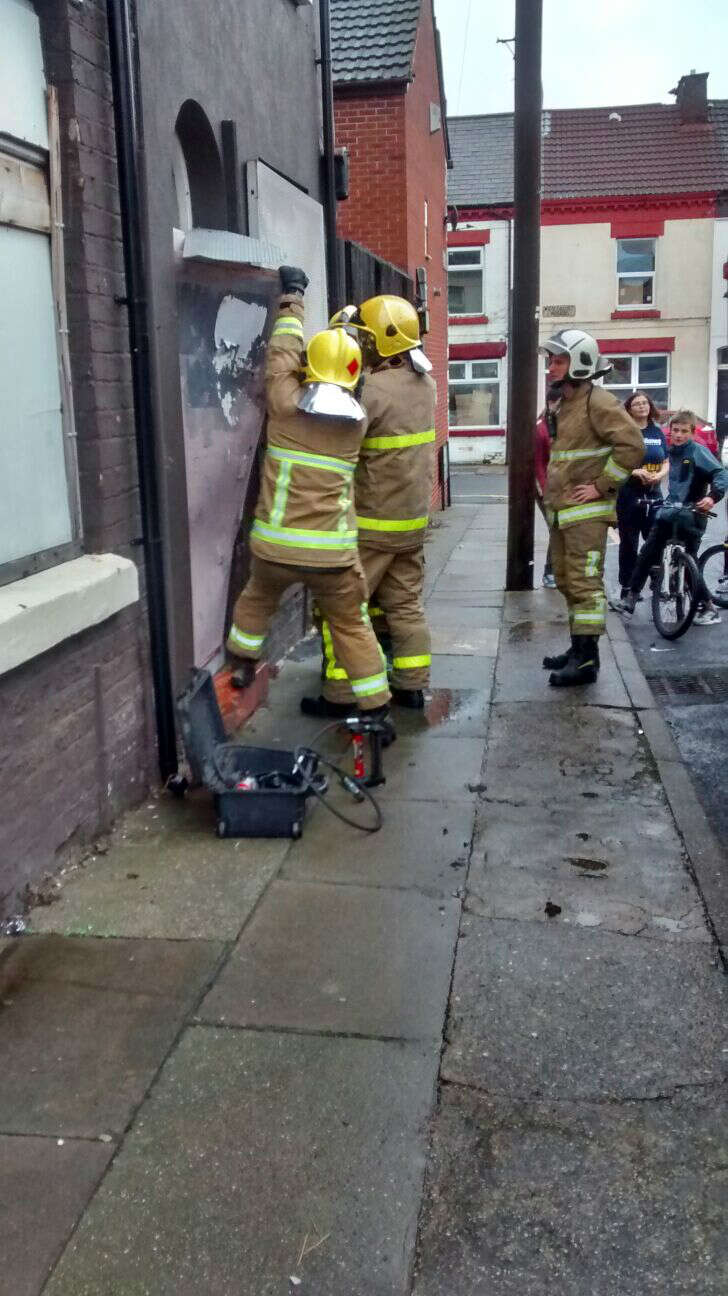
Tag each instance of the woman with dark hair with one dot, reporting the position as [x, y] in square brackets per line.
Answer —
[640, 496]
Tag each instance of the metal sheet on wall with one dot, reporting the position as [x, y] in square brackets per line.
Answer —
[224, 321]
[283, 214]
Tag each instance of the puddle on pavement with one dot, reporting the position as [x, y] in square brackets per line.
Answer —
[521, 631]
[447, 706]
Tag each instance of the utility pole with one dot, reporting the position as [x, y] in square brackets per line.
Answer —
[523, 381]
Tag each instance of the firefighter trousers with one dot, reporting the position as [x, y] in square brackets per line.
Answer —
[396, 581]
[577, 554]
[341, 594]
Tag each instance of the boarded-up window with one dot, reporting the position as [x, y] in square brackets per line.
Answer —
[38, 520]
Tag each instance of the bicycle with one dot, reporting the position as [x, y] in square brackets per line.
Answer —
[713, 566]
[676, 588]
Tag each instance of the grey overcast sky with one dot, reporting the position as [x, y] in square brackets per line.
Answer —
[595, 52]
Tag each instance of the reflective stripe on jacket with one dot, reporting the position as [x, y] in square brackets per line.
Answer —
[596, 443]
[395, 474]
[305, 512]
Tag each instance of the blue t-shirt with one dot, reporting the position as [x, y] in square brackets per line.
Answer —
[655, 456]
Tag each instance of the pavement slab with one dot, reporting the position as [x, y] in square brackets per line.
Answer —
[85, 1024]
[625, 875]
[519, 677]
[468, 582]
[165, 874]
[448, 713]
[450, 671]
[353, 963]
[624, 1199]
[548, 1012]
[421, 845]
[470, 598]
[465, 641]
[261, 1157]
[442, 615]
[427, 772]
[44, 1187]
[535, 751]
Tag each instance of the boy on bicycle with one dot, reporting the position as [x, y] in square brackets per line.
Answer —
[696, 482]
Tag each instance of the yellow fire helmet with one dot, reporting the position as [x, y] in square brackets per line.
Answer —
[393, 322]
[342, 317]
[332, 368]
[332, 356]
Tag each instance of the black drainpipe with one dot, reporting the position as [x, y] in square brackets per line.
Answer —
[127, 119]
[327, 100]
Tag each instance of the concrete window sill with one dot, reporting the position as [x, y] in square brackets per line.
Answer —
[44, 609]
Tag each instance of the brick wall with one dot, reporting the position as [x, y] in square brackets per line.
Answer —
[426, 181]
[78, 740]
[395, 164]
[372, 128]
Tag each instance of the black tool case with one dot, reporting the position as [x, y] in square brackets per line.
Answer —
[219, 764]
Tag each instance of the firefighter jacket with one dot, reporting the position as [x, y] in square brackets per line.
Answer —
[596, 443]
[305, 511]
[395, 474]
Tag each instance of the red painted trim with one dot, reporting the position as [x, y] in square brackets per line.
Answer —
[635, 346]
[608, 208]
[636, 314]
[468, 319]
[468, 238]
[476, 432]
[477, 350]
[638, 227]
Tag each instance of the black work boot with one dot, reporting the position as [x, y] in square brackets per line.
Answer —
[322, 709]
[414, 699]
[583, 667]
[560, 660]
[243, 674]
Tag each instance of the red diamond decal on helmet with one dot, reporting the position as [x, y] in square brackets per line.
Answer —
[352, 366]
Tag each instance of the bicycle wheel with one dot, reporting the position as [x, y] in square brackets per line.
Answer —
[675, 593]
[713, 566]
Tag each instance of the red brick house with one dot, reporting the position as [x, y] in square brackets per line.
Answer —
[389, 106]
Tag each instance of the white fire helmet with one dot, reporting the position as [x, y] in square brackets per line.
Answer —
[580, 347]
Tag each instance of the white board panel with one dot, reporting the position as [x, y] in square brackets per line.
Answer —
[282, 214]
[23, 110]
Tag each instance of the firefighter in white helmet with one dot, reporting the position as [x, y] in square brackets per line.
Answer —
[393, 489]
[305, 525]
[594, 449]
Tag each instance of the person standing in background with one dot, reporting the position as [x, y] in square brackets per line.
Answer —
[640, 496]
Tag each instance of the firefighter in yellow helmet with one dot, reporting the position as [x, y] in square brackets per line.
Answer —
[393, 489]
[305, 525]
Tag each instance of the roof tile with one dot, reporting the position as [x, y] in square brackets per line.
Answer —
[373, 40]
[593, 152]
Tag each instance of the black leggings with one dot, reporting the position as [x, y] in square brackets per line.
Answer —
[635, 519]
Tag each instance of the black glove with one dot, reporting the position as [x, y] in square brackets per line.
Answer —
[293, 279]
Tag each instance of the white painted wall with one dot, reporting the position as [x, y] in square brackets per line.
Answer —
[719, 312]
[475, 450]
[579, 268]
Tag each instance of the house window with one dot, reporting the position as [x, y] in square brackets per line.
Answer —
[39, 516]
[465, 281]
[651, 373]
[636, 272]
[474, 393]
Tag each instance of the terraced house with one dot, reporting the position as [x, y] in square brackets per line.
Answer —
[634, 248]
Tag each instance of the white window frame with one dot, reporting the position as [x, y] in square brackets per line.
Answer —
[478, 268]
[622, 390]
[636, 274]
[44, 166]
[470, 381]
